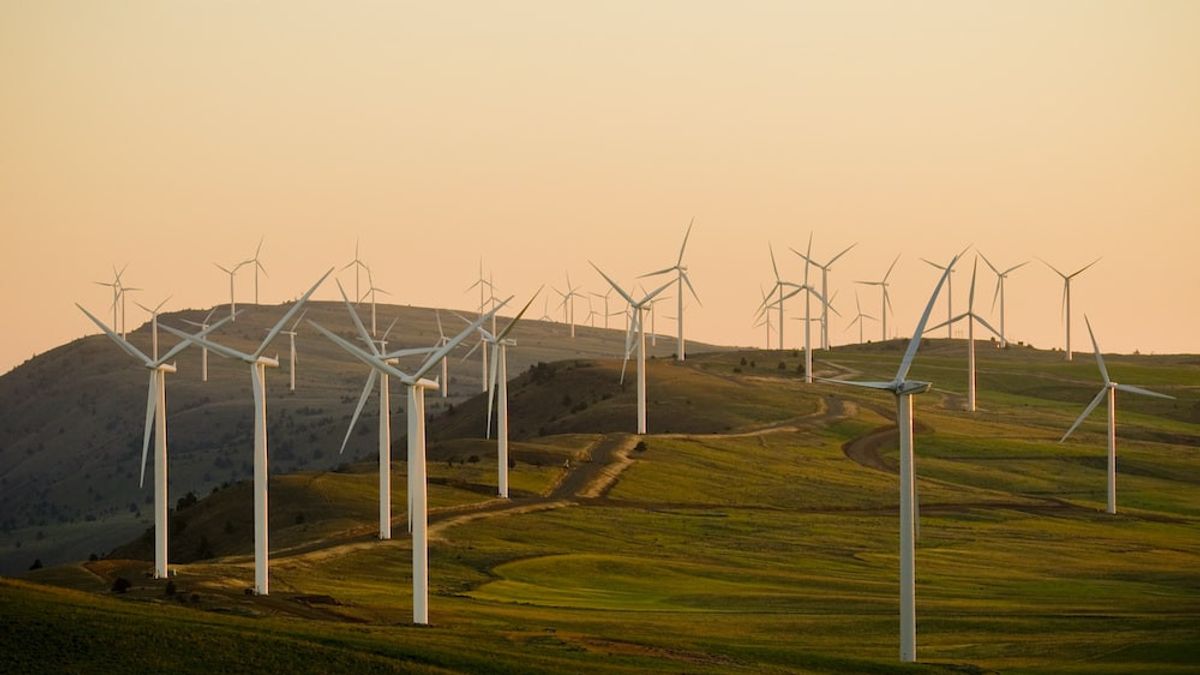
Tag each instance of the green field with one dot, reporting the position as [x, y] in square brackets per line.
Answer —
[756, 532]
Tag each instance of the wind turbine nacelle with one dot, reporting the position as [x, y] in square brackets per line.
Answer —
[165, 367]
[426, 383]
[268, 361]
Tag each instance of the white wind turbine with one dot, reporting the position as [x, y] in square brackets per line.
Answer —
[258, 380]
[766, 316]
[258, 266]
[886, 301]
[779, 287]
[153, 324]
[232, 273]
[949, 297]
[416, 385]
[904, 389]
[1001, 277]
[824, 287]
[809, 291]
[115, 285]
[482, 282]
[156, 419]
[546, 311]
[1066, 301]
[1109, 390]
[592, 313]
[291, 333]
[358, 266]
[636, 327]
[568, 302]
[442, 340]
[681, 278]
[971, 317]
[385, 420]
[203, 325]
[372, 291]
[603, 296]
[498, 391]
[859, 319]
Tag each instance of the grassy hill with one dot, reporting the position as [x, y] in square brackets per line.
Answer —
[71, 426]
[755, 530]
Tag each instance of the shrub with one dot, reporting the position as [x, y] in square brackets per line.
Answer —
[640, 447]
[782, 365]
[37, 564]
[743, 361]
[121, 585]
[185, 501]
[474, 459]
[170, 588]
[92, 557]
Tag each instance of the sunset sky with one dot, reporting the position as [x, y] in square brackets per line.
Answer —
[169, 135]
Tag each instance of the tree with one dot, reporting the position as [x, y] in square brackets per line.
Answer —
[37, 564]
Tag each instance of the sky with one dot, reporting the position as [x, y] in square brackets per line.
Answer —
[541, 135]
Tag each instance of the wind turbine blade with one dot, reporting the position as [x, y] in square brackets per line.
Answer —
[688, 281]
[520, 314]
[1086, 411]
[1144, 392]
[493, 371]
[892, 267]
[1015, 267]
[996, 293]
[372, 375]
[989, 264]
[223, 269]
[851, 324]
[844, 252]
[121, 342]
[945, 323]
[412, 351]
[685, 240]
[651, 294]
[295, 309]
[613, 284]
[389, 329]
[151, 404]
[209, 344]
[775, 267]
[915, 341]
[884, 386]
[1082, 269]
[1056, 271]
[437, 314]
[654, 274]
[971, 295]
[808, 260]
[987, 325]
[301, 318]
[1096, 347]
[471, 351]
[358, 324]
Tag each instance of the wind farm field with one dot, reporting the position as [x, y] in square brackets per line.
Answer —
[753, 529]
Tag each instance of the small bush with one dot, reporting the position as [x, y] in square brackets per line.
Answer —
[121, 585]
[640, 447]
[170, 588]
[473, 459]
[37, 564]
[782, 365]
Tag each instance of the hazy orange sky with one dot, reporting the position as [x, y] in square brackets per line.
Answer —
[169, 135]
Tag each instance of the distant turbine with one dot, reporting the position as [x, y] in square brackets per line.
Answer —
[779, 287]
[156, 415]
[258, 379]
[766, 316]
[499, 388]
[636, 327]
[1066, 301]
[482, 282]
[358, 266]
[681, 278]
[886, 301]
[442, 340]
[258, 266]
[232, 273]
[416, 385]
[372, 291]
[115, 285]
[203, 325]
[592, 313]
[971, 317]
[858, 318]
[385, 413]
[568, 302]
[604, 296]
[809, 292]
[904, 389]
[1109, 390]
[153, 325]
[1001, 277]
[825, 288]
[292, 351]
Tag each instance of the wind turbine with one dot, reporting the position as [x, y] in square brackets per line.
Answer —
[1109, 390]
[498, 391]
[232, 273]
[779, 286]
[636, 327]
[258, 380]
[971, 317]
[115, 285]
[604, 296]
[442, 340]
[482, 282]
[766, 316]
[886, 301]
[809, 291]
[546, 311]
[949, 298]
[858, 318]
[592, 313]
[372, 291]
[904, 389]
[568, 302]
[292, 350]
[153, 325]
[1066, 301]
[358, 266]
[203, 325]
[156, 419]
[416, 385]
[681, 278]
[1001, 277]
[385, 421]
[257, 267]
[825, 288]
